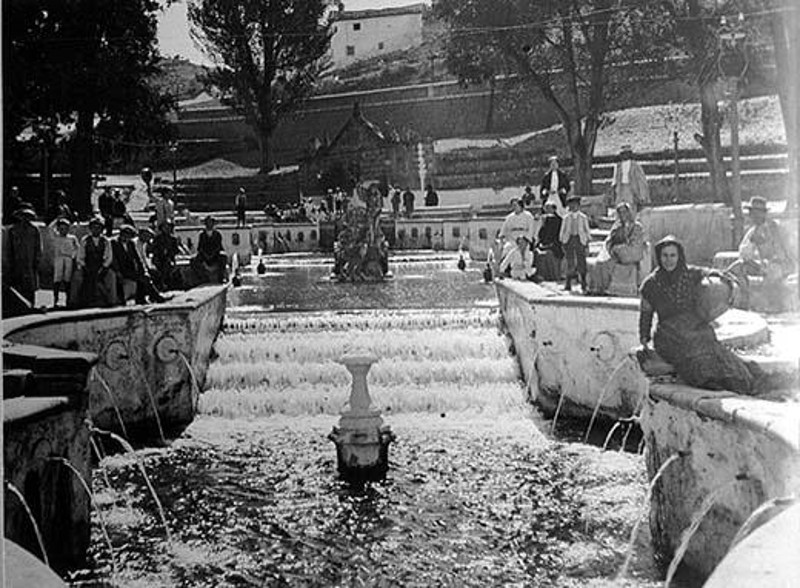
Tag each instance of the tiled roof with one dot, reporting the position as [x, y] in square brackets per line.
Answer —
[379, 12]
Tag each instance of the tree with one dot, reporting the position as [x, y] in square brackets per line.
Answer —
[576, 53]
[85, 62]
[785, 30]
[271, 53]
[695, 23]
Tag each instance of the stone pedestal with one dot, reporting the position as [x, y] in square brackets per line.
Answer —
[362, 440]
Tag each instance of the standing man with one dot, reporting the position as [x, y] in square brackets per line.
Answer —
[396, 202]
[241, 207]
[65, 250]
[23, 255]
[408, 201]
[431, 197]
[575, 239]
[555, 187]
[629, 183]
[519, 223]
[105, 204]
[94, 284]
[164, 208]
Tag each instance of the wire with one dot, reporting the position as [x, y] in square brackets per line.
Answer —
[471, 30]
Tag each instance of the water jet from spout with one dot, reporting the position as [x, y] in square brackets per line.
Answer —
[15, 491]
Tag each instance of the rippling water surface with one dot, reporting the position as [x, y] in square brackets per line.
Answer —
[476, 494]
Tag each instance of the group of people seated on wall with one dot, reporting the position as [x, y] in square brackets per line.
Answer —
[548, 239]
[553, 248]
[97, 270]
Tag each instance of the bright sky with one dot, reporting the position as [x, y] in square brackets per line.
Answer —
[173, 27]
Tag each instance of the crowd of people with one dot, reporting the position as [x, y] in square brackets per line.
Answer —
[547, 238]
[113, 262]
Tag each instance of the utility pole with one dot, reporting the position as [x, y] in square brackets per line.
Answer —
[733, 65]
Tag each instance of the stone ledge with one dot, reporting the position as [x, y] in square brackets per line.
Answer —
[778, 420]
[532, 292]
[766, 557]
[22, 408]
[23, 569]
[188, 300]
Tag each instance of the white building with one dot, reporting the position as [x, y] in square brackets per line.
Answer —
[360, 34]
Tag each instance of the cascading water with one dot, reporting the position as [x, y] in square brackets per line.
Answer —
[85, 485]
[475, 494]
[95, 375]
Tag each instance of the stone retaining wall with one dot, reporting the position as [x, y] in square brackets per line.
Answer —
[739, 450]
[140, 350]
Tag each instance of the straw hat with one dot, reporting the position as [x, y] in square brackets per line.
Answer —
[756, 203]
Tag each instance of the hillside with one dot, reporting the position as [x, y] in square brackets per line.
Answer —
[180, 78]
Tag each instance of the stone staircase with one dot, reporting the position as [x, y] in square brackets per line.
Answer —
[514, 166]
[210, 194]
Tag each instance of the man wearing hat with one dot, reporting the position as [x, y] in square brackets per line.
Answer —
[762, 252]
[575, 239]
[629, 183]
[23, 252]
[164, 207]
[555, 187]
[65, 250]
[240, 204]
[133, 280]
[94, 282]
[210, 264]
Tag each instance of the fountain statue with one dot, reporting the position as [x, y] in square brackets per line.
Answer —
[361, 250]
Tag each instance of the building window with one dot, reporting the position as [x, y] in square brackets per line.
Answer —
[356, 26]
[351, 50]
[380, 46]
[456, 232]
[414, 233]
[288, 235]
[482, 234]
[428, 232]
[235, 239]
[301, 237]
[313, 235]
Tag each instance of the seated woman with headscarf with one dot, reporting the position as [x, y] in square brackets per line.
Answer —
[683, 337]
[618, 261]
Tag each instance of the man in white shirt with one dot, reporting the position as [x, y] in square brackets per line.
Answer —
[629, 183]
[520, 223]
[555, 188]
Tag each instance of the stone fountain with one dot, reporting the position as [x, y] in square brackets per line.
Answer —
[362, 440]
[361, 249]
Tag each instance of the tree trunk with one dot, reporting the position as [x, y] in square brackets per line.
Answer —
[785, 27]
[710, 141]
[583, 173]
[81, 164]
[266, 161]
[582, 149]
[490, 113]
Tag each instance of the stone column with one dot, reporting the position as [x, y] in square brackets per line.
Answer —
[362, 440]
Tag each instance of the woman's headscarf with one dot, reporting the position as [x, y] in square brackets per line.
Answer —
[679, 284]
